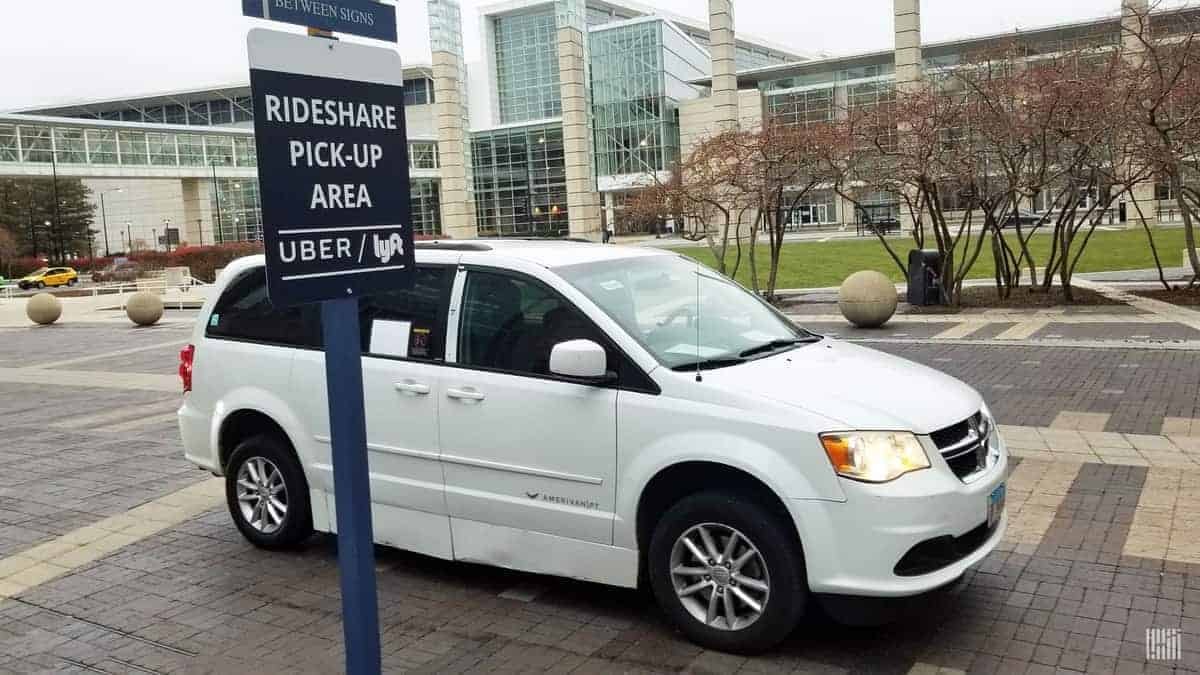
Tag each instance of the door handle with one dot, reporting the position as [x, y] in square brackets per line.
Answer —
[412, 387]
[465, 393]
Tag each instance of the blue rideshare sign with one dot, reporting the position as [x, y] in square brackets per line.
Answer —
[357, 17]
[333, 173]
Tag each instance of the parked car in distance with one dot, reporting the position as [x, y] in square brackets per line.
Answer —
[118, 271]
[49, 276]
[607, 413]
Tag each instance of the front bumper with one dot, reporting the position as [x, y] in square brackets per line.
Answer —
[853, 547]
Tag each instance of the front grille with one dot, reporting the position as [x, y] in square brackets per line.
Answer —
[964, 445]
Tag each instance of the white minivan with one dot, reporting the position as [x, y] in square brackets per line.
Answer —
[614, 414]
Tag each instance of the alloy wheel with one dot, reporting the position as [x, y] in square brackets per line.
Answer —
[262, 495]
[720, 576]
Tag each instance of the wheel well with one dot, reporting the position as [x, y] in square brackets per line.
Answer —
[687, 478]
[243, 424]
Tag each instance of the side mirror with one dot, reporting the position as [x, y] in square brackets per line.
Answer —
[583, 359]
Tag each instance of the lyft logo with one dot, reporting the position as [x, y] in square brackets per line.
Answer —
[386, 248]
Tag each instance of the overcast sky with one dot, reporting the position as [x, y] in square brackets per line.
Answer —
[112, 48]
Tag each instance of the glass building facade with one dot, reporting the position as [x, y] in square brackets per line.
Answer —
[527, 86]
[639, 74]
[520, 181]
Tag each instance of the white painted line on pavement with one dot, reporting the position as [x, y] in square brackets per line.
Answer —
[108, 355]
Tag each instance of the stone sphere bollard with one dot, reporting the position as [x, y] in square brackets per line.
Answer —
[867, 299]
[144, 308]
[43, 309]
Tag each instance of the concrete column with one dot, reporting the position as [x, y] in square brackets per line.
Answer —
[723, 50]
[450, 118]
[1141, 197]
[908, 43]
[583, 201]
[1133, 14]
[197, 227]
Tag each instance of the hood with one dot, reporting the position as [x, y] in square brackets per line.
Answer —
[859, 387]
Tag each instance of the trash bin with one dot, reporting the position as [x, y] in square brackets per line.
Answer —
[923, 288]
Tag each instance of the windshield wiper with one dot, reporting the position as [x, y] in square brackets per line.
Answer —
[778, 344]
[709, 364]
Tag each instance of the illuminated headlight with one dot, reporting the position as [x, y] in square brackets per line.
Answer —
[874, 456]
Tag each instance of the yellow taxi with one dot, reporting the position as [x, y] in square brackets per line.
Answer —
[49, 276]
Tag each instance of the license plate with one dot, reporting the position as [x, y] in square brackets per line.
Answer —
[995, 505]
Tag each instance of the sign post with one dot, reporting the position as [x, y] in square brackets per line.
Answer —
[333, 179]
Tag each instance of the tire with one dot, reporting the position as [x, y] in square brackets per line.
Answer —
[40, 285]
[71, 282]
[779, 563]
[247, 463]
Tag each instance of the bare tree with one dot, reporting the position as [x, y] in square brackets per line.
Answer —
[1163, 63]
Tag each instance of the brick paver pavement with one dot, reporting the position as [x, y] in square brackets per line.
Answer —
[1095, 554]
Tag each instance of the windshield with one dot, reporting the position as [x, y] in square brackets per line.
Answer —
[658, 301]
[38, 272]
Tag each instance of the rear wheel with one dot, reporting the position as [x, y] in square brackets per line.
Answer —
[267, 494]
[728, 572]
[71, 282]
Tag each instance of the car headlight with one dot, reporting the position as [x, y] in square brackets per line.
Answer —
[874, 456]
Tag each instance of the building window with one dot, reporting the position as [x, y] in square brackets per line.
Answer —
[220, 112]
[634, 121]
[802, 107]
[35, 144]
[243, 109]
[527, 67]
[422, 155]
[162, 149]
[102, 146]
[191, 150]
[133, 147]
[418, 91]
[131, 115]
[69, 146]
[198, 114]
[175, 114]
[425, 204]
[520, 182]
[8, 143]
[219, 150]
[244, 152]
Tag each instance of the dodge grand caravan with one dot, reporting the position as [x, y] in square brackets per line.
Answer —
[613, 414]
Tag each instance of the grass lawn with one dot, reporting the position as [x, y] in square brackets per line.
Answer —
[812, 264]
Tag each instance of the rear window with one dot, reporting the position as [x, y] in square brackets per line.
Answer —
[244, 312]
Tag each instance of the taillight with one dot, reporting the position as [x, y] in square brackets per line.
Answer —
[186, 356]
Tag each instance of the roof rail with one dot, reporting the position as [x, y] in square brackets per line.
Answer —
[451, 245]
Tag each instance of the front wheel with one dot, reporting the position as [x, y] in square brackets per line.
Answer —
[267, 494]
[728, 571]
[40, 285]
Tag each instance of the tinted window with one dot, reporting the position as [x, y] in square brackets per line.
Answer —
[411, 322]
[244, 312]
[512, 324]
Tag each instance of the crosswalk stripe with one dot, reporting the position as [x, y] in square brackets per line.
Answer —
[1023, 330]
[1165, 520]
[961, 330]
[138, 423]
[1035, 491]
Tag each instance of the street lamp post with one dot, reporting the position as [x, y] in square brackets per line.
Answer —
[128, 237]
[104, 218]
[46, 223]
